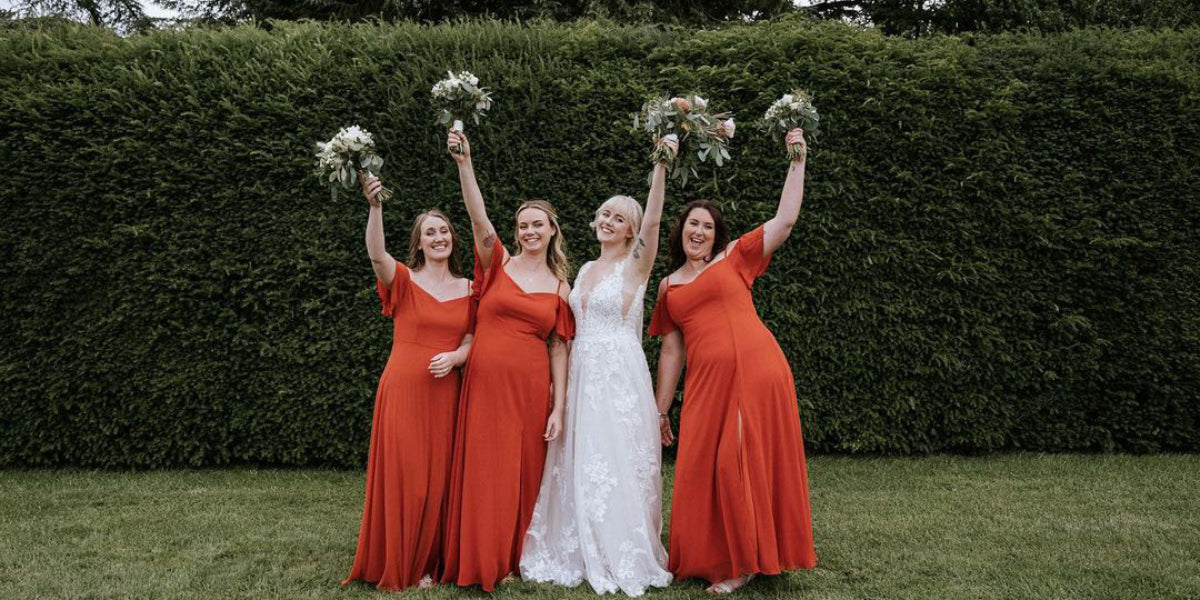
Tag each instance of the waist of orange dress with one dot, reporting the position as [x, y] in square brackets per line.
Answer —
[435, 345]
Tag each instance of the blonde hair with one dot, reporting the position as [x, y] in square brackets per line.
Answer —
[416, 256]
[556, 250]
[626, 206]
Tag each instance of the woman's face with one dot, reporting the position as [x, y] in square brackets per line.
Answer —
[436, 241]
[534, 230]
[699, 230]
[612, 225]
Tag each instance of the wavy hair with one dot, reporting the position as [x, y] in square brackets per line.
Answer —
[556, 250]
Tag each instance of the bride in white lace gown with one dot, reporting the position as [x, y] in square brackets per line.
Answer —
[599, 511]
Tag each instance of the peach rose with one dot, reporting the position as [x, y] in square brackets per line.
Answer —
[726, 128]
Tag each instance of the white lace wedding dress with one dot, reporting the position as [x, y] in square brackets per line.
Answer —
[598, 515]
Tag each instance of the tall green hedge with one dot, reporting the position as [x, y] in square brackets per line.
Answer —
[999, 245]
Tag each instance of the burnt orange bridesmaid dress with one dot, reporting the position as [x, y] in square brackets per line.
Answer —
[498, 448]
[740, 500]
[408, 464]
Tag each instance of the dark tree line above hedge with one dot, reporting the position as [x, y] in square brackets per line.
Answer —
[913, 18]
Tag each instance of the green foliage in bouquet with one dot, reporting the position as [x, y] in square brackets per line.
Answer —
[702, 135]
[459, 97]
[793, 110]
[340, 159]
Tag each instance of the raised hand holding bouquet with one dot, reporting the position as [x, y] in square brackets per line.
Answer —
[792, 111]
[700, 134]
[340, 159]
[458, 98]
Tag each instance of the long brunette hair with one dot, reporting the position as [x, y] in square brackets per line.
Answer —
[416, 256]
[676, 255]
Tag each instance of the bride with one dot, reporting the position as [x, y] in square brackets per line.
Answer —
[599, 514]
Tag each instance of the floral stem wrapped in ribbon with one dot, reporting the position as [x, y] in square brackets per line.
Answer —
[789, 112]
[458, 98]
[701, 134]
[340, 159]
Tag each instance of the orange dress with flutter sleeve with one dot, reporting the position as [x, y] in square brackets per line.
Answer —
[499, 452]
[408, 464]
[740, 500]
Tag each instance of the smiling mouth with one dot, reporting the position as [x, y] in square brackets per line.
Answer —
[696, 241]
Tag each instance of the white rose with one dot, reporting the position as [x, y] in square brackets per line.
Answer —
[700, 103]
[730, 127]
[786, 99]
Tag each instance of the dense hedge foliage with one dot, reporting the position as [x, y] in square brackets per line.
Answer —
[999, 247]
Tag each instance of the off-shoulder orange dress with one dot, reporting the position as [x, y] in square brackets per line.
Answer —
[740, 500]
[499, 452]
[412, 433]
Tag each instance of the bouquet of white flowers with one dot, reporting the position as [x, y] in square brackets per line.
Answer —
[789, 112]
[458, 98]
[340, 159]
[701, 134]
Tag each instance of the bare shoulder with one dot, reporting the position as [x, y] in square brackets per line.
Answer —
[665, 283]
[400, 268]
[564, 290]
[729, 248]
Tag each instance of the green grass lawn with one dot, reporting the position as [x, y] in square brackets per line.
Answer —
[1016, 526]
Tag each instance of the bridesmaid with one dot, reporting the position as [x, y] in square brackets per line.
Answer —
[408, 465]
[513, 387]
[740, 503]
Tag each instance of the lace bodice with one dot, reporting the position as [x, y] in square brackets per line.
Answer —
[607, 308]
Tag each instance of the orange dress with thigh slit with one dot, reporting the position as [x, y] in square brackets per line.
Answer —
[740, 500]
